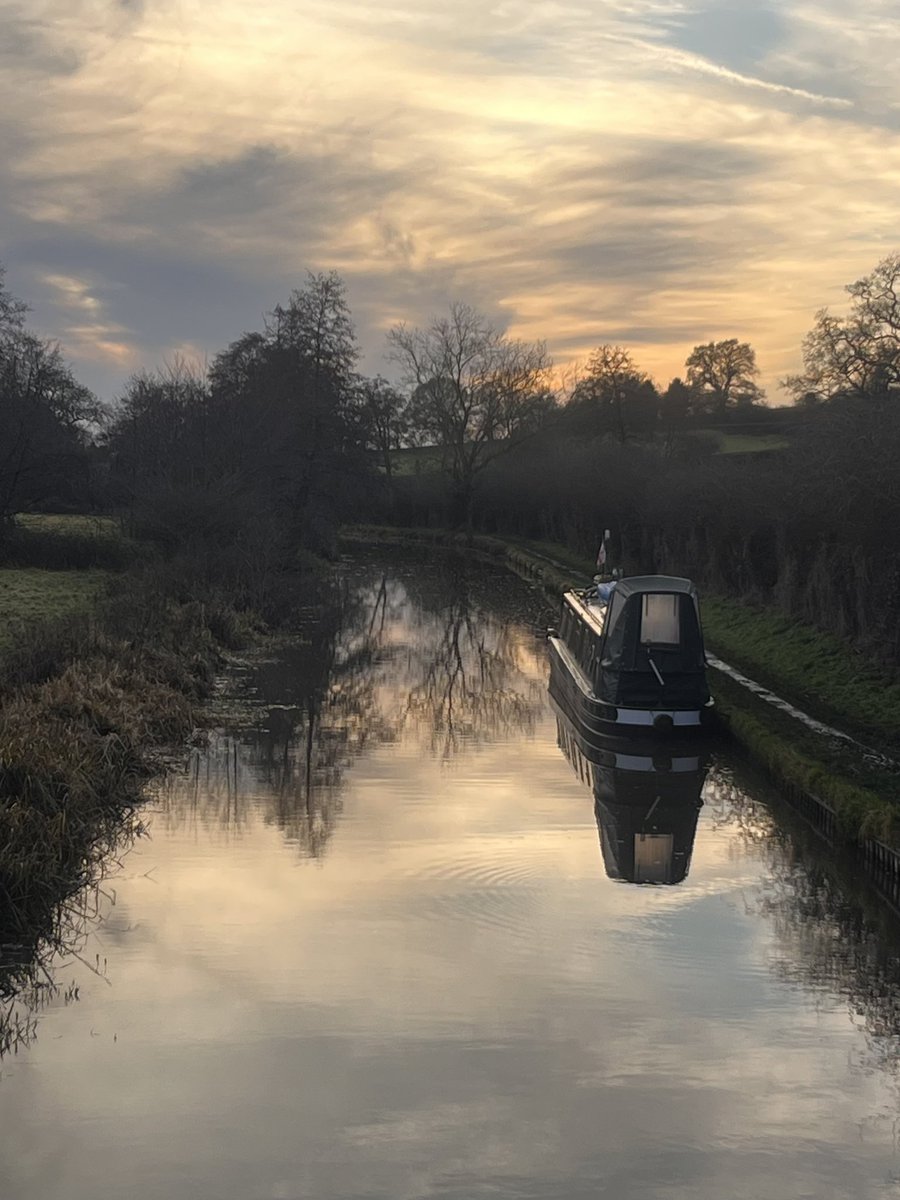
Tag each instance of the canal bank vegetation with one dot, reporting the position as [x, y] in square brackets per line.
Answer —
[90, 705]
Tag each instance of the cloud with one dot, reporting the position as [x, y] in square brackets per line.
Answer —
[90, 337]
[664, 172]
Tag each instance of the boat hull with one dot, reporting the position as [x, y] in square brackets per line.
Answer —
[571, 689]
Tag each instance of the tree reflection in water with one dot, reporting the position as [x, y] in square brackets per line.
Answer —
[833, 932]
[416, 657]
[471, 691]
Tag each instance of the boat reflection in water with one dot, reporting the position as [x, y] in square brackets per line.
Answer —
[646, 800]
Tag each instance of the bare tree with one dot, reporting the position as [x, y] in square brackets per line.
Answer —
[12, 310]
[725, 373]
[858, 355]
[476, 393]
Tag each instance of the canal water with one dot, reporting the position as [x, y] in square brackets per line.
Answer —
[382, 940]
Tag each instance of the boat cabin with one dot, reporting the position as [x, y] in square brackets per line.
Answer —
[642, 647]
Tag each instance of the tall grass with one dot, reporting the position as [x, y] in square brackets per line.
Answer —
[87, 714]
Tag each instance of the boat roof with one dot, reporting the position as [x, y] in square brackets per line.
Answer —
[594, 609]
[638, 584]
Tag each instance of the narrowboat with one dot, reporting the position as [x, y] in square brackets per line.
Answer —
[628, 657]
[647, 800]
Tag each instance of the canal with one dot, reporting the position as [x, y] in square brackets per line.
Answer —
[381, 939]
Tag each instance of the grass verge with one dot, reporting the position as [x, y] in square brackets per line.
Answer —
[95, 696]
[815, 671]
[864, 795]
[64, 542]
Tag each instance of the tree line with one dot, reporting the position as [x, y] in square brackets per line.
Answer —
[256, 460]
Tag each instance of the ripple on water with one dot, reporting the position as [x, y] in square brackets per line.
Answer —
[497, 888]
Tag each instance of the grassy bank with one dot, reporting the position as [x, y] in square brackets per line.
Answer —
[88, 708]
[863, 793]
[816, 671]
[68, 541]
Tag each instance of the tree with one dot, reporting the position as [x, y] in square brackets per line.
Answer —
[45, 414]
[858, 355]
[316, 324]
[614, 396]
[264, 451]
[476, 393]
[383, 416]
[158, 435]
[294, 389]
[723, 375]
[675, 406]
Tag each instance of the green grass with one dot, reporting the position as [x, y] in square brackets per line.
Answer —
[68, 541]
[864, 797]
[75, 524]
[816, 671]
[29, 595]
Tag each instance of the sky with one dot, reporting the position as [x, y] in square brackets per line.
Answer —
[654, 173]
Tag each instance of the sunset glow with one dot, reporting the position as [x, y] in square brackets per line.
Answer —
[655, 175]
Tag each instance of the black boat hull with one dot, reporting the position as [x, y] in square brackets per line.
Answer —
[594, 718]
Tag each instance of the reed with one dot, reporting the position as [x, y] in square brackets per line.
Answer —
[90, 709]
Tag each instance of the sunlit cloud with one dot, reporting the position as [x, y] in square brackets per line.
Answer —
[89, 336]
[648, 173]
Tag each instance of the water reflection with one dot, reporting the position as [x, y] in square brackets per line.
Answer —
[832, 931]
[416, 658]
[466, 689]
[647, 799]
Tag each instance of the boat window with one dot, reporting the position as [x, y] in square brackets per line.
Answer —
[659, 619]
[615, 607]
[653, 857]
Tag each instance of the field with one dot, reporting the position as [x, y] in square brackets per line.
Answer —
[73, 541]
[30, 594]
[73, 524]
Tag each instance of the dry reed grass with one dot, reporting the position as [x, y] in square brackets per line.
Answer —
[88, 709]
